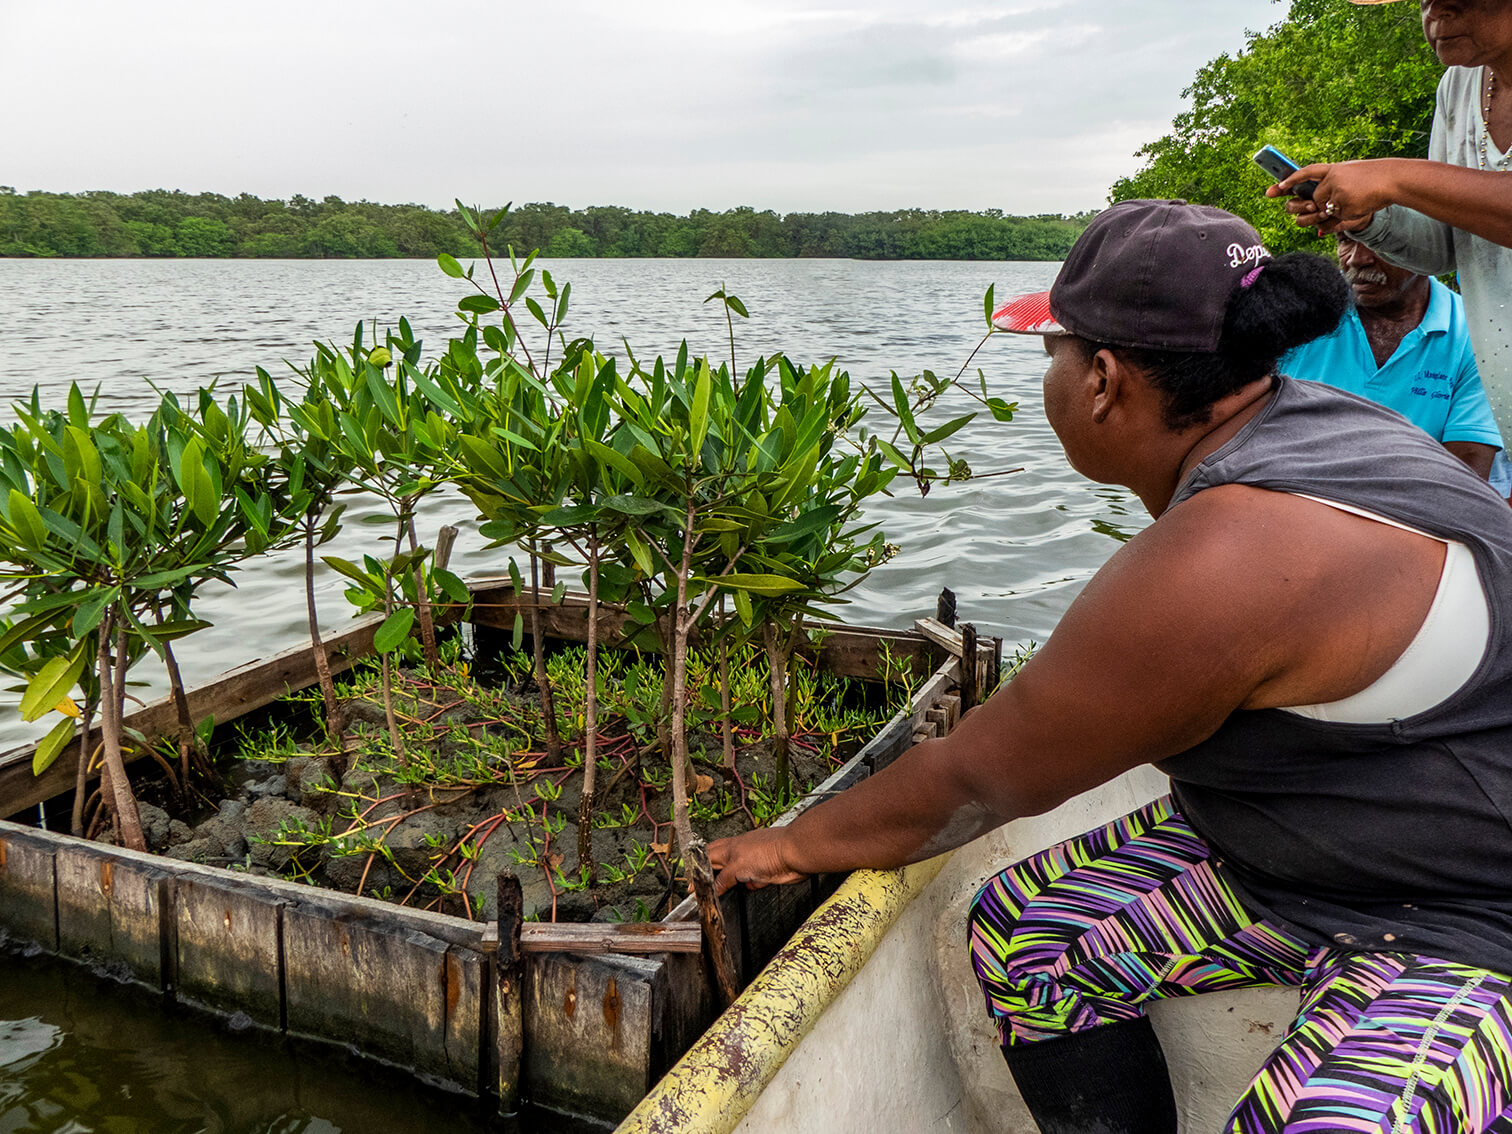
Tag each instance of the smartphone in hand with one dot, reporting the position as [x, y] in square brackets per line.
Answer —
[1279, 166]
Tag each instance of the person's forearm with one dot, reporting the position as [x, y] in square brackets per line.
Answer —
[1472, 200]
[914, 809]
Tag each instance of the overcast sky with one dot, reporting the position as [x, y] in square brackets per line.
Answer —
[1024, 105]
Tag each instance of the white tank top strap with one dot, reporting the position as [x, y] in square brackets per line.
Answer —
[1443, 655]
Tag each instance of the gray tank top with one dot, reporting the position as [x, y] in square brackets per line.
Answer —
[1384, 837]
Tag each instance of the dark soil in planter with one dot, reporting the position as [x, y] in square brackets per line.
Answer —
[476, 795]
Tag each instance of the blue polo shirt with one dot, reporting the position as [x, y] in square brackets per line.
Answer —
[1431, 380]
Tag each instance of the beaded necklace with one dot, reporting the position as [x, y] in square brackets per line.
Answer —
[1500, 164]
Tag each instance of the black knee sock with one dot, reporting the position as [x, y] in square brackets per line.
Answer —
[1111, 1079]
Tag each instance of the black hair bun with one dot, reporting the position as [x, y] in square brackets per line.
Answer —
[1298, 297]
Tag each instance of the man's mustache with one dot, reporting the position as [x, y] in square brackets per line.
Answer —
[1354, 276]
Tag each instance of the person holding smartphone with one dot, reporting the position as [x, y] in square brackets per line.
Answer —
[1451, 213]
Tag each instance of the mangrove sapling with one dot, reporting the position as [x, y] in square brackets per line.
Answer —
[509, 463]
[312, 472]
[806, 545]
[108, 521]
[390, 437]
[909, 402]
[594, 487]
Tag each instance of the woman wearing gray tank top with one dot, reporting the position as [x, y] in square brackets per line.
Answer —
[1329, 826]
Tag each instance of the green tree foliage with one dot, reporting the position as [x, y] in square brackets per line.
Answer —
[161, 223]
[1330, 82]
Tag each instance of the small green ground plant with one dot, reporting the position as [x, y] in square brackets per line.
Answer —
[478, 792]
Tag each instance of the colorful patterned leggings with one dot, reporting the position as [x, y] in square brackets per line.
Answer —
[1087, 932]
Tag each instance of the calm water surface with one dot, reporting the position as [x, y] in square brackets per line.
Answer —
[1016, 550]
[80, 1054]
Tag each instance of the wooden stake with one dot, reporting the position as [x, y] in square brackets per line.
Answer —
[509, 965]
[945, 607]
[970, 667]
[445, 538]
[721, 955]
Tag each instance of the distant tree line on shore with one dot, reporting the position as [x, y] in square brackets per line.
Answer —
[1329, 82]
[164, 223]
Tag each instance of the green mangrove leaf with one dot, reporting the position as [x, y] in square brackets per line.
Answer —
[903, 410]
[640, 553]
[478, 304]
[615, 460]
[632, 505]
[52, 683]
[172, 631]
[934, 436]
[698, 422]
[449, 265]
[451, 585]
[768, 586]
[51, 746]
[1001, 410]
[27, 521]
[24, 630]
[570, 516]
[89, 613]
[395, 629]
[354, 573]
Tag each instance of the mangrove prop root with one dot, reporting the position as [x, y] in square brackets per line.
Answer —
[170, 774]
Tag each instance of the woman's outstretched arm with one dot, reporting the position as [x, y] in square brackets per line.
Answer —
[1237, 598]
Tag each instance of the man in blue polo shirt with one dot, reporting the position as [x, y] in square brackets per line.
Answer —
[1405, 346]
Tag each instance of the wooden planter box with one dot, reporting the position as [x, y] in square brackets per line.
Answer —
[584, 1033]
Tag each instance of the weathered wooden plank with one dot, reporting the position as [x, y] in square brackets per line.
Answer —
[683, 1003]
[375, 983]
[228, 947]
[588, 1023]
[113, 911]
[600, 937]
[509, 991]
[231, 695]
[945, 637]
[468, 1051]
[951, 703]
[28, 890]
[770, 916]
